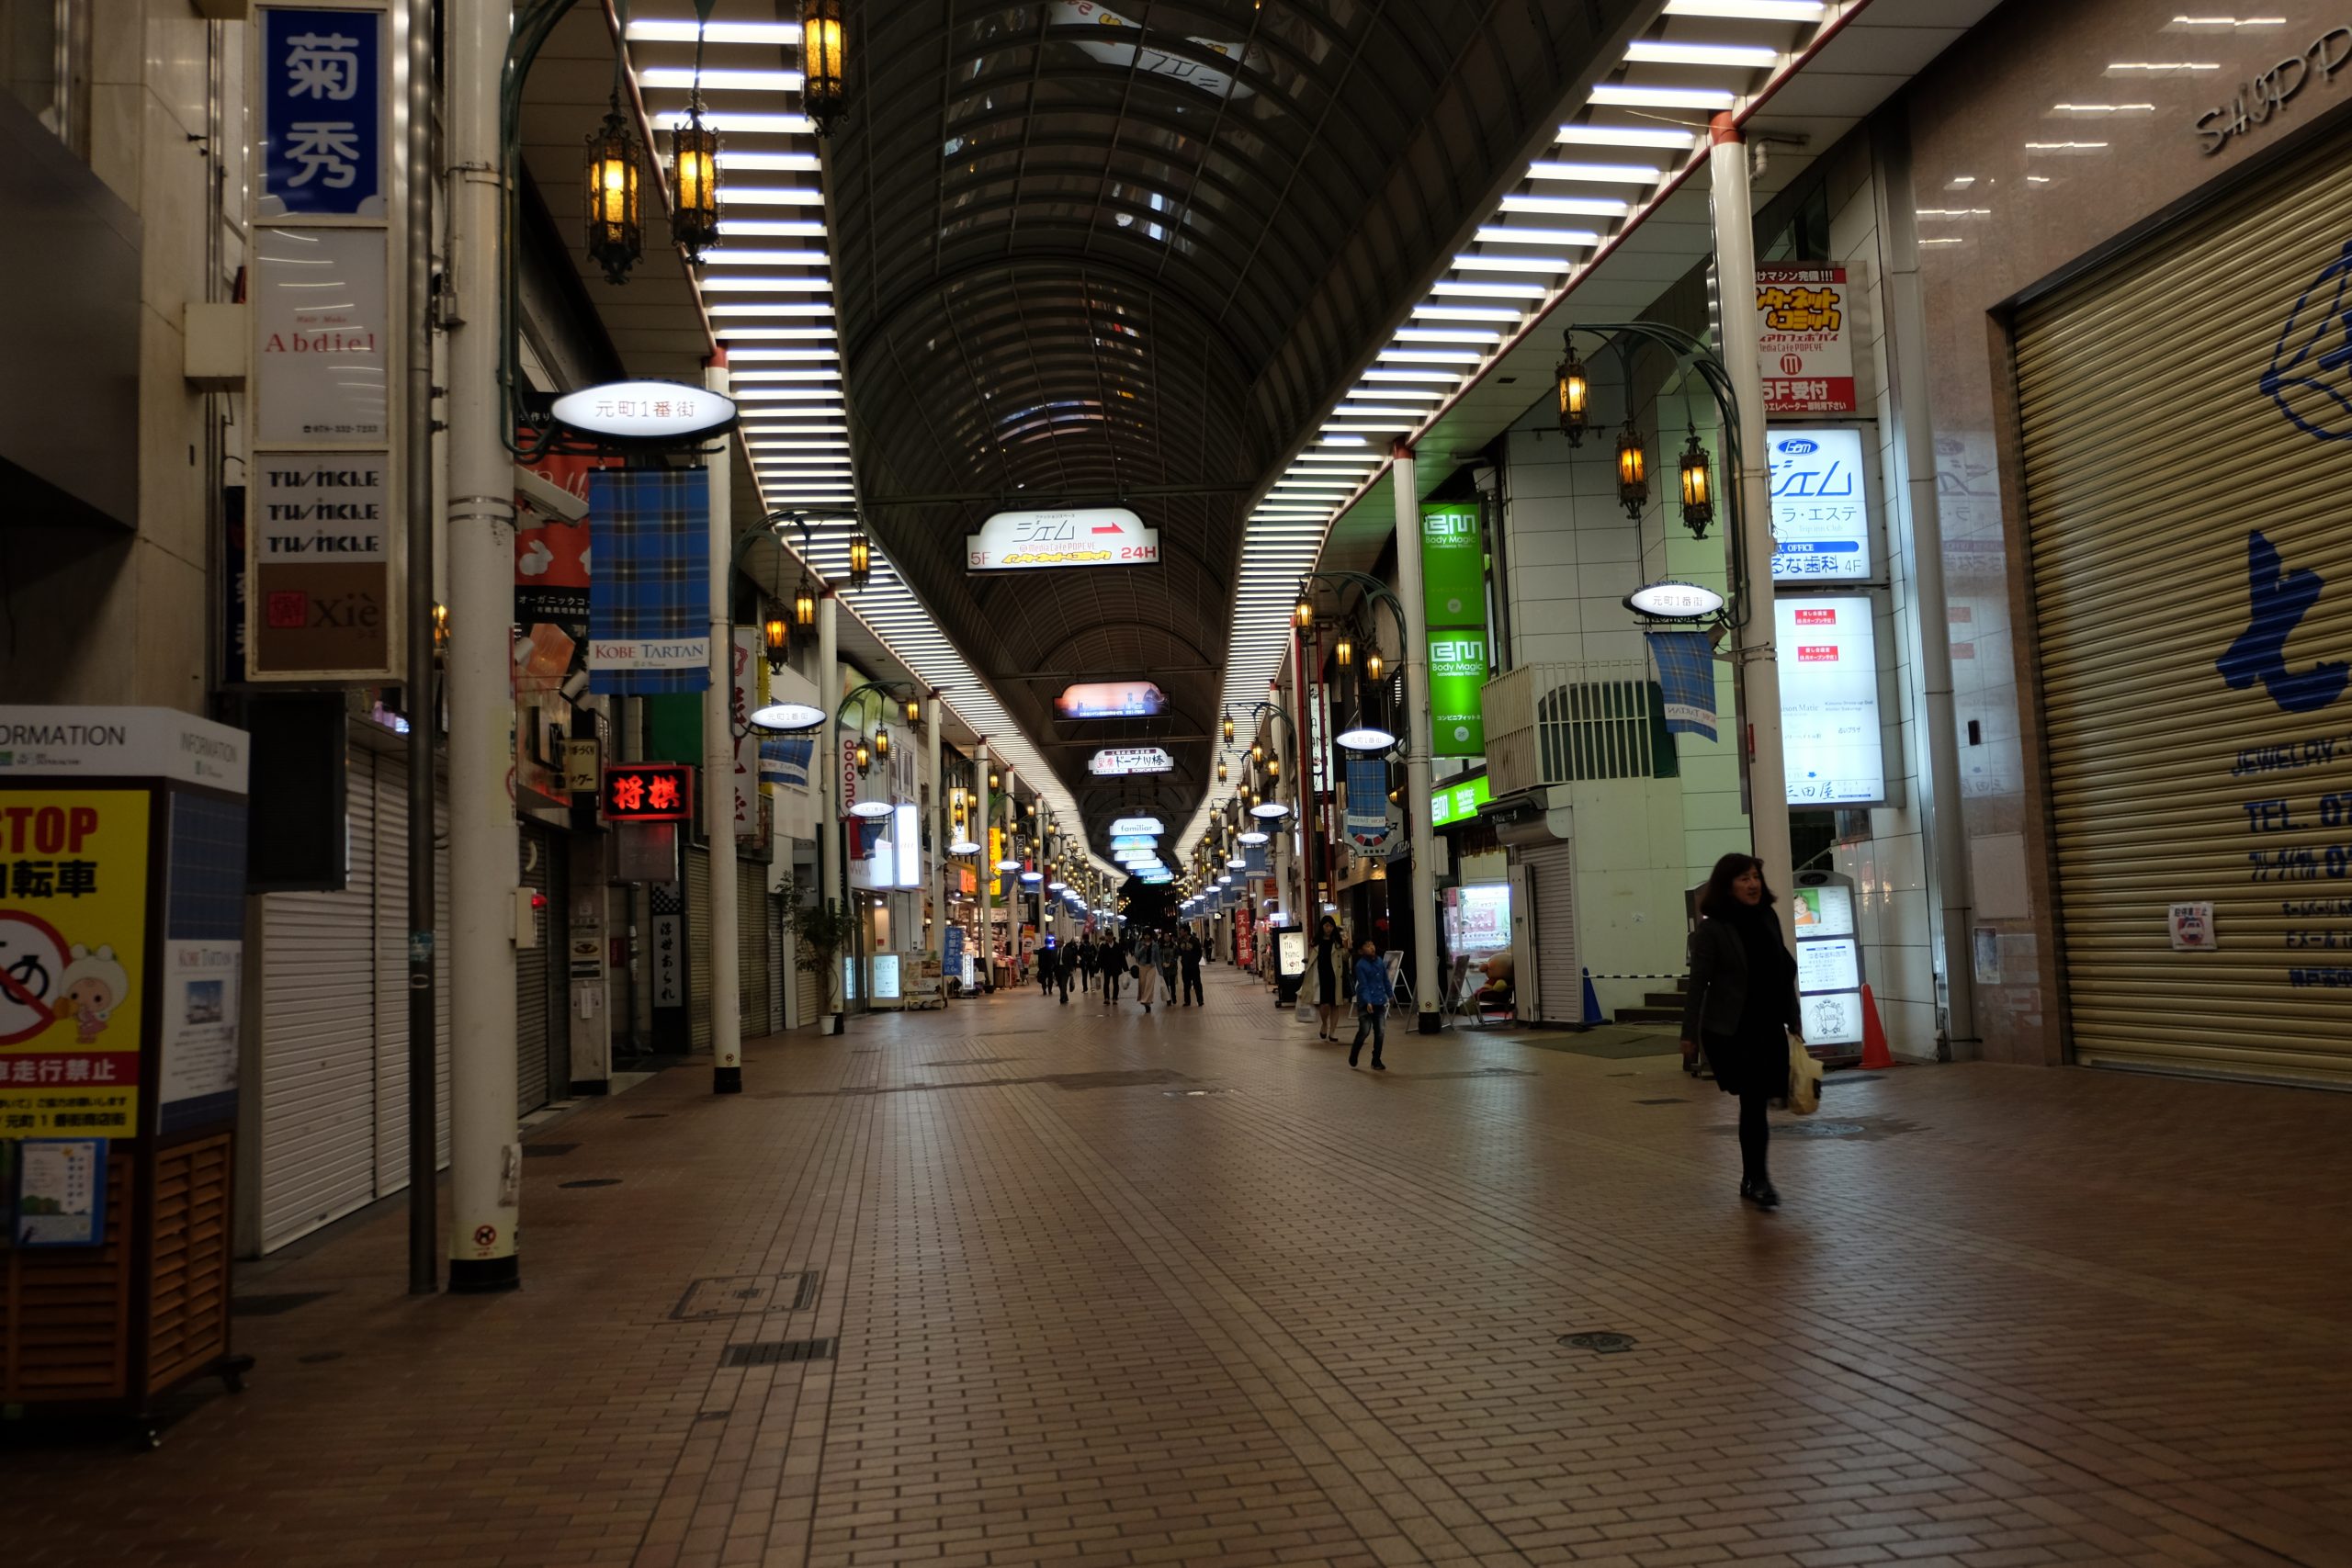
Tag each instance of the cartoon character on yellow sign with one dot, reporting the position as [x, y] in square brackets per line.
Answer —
[95, 986]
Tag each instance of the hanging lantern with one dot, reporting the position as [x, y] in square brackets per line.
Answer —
[694, 184]
[1633, 471]
[615, 234]
[996, 780]
[864, 755]
[1257, 751]
[1698, 488]
[860, 560]
[1304, 611]
[914, 710]
[824, 87]
[441, 626]
[804, 603]
[778, 634]
[1220, 770]
[1228, 729]
[1574, 389]
[1274, 767]
[882, 743]
[1372, 666]
[1344, 652]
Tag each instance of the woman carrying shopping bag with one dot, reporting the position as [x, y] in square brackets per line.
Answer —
[1742, 1006]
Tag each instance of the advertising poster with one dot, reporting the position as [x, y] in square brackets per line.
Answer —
[1454, 593]
[322, 325]
[1804, 339]
[1827, 651]
[199, 1059]
[319, 548]
[72, 960]
[1457, 686]
[60, 1193]
[1019, 541]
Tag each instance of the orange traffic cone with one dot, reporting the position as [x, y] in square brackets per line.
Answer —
[1875, 1051]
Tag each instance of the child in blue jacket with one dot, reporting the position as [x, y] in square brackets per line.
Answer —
[1372, 1004]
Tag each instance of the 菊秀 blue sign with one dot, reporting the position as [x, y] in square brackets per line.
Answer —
[322, 113]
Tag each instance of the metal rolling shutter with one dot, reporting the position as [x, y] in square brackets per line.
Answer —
[2152, 452]
[391, 972]
[1559, 981]
[772, 946]
[697, 947]
[531, 1021]
[751, 945]
[318, 1038]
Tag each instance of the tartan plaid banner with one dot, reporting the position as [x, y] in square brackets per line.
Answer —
[1366, 822]
[784, 759]
[649, 590]
[1256, 861]
[1685, 678]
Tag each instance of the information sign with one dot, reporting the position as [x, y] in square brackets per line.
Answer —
[1019, 541]
[1457, 684]
[1804, 339]
[1830, 708]
[1820, 515]
[1111, 699]
[1119, 761]
[1460, 802]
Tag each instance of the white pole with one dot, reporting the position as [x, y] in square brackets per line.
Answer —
[720, 915]
[1767, 781]
[935, 943]
[828, 756]
[986, 863]
[485, 1157]
[1414, 664]
[1012, 880]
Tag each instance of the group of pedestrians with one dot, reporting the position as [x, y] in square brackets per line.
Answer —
[1163, 965]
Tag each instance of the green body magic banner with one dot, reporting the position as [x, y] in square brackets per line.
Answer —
[1454, 597]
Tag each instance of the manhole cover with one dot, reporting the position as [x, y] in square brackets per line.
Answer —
[273, 1306]
[734, 1295]
[1600, 1343]
[776, 1352]
[546, 1151]
[592, 1182]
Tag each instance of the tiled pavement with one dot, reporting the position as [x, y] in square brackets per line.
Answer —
[1111, 1289]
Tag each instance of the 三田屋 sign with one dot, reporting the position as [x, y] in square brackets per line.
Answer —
[1804, 338]
[1104, 535]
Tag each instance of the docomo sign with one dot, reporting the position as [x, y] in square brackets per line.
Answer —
[1119, 759]
[1024, 541]
[656, 412]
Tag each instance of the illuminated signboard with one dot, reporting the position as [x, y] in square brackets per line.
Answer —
[1111, 699]
[1025, 541]
[1820, 515]
[645, 410]
[1125, 825]
[1134, 842]
[1460, 802]
[647, 792]
[1827, 652]
[1114, 761]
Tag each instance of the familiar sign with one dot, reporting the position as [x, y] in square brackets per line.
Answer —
[647, 792]
[1024, 541]
[1137, 825]
[651, 413]
[1827, 653]
[1820, 515]
[1119, 761]
[1804, 338]
[1111, 699]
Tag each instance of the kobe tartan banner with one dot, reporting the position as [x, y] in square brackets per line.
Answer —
[649, 588]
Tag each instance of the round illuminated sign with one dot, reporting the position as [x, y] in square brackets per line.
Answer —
[787, 717]
[1366, 738]
[1251, 836]
[871, 808]
[964, 847]
[1674, 601]
[1269, 810]
[654, 412]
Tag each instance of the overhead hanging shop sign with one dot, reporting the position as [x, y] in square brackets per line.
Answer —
[1821, 519]
[1026, 541]
[1460, 802]
[1137, 824]
[1111, 699]
[326, 545]
[1117, 40]
[648, 792]
[653, 413]
[1453, 595]
[1827, 651]
[1118, 761]
[1804, 336]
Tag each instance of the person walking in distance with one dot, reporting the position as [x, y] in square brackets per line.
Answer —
[1113, 964]
[1147, 969]
[1045, 967]
[1085, 951]
[1167, 963]
[1065, 967]
[1742, 1006]
[1330, 957]
[1188, 956]
[1373, 994]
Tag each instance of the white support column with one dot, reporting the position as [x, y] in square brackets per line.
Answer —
[485, 1156]
[987, 864]
[827, 756]
[1759, 671]
[935, 942]
[720, 916]
[1012, 880]
[1414, 664]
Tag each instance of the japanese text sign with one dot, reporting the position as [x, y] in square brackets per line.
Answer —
[74, 977]
[1103, 536]
[1820, 515]
[1804, 339]
[648, 792]
[322, 113]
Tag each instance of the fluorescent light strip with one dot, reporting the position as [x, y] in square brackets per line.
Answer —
[1491, 290]
[716, 79]
[1419, 394]
[1566, 206]
[751, 356]
[1428, 356]
[715, 32]
[1596, 174]
[743, 158]
[1447, 335]
[772, 228]
[768, 285]
[1637, 95]
[1546, 267]
[1504, 234]
[732, 257]
[1749, 10]
[727, 310]
[734, 122]
[776, 334]
[1735, 56]
[1590, 135]
[1467, 313]
[772, 195]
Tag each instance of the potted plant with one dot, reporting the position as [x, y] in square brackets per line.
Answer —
[822, 929]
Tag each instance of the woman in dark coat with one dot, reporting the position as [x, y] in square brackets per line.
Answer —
[1330, 957]
[1743, 1005]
